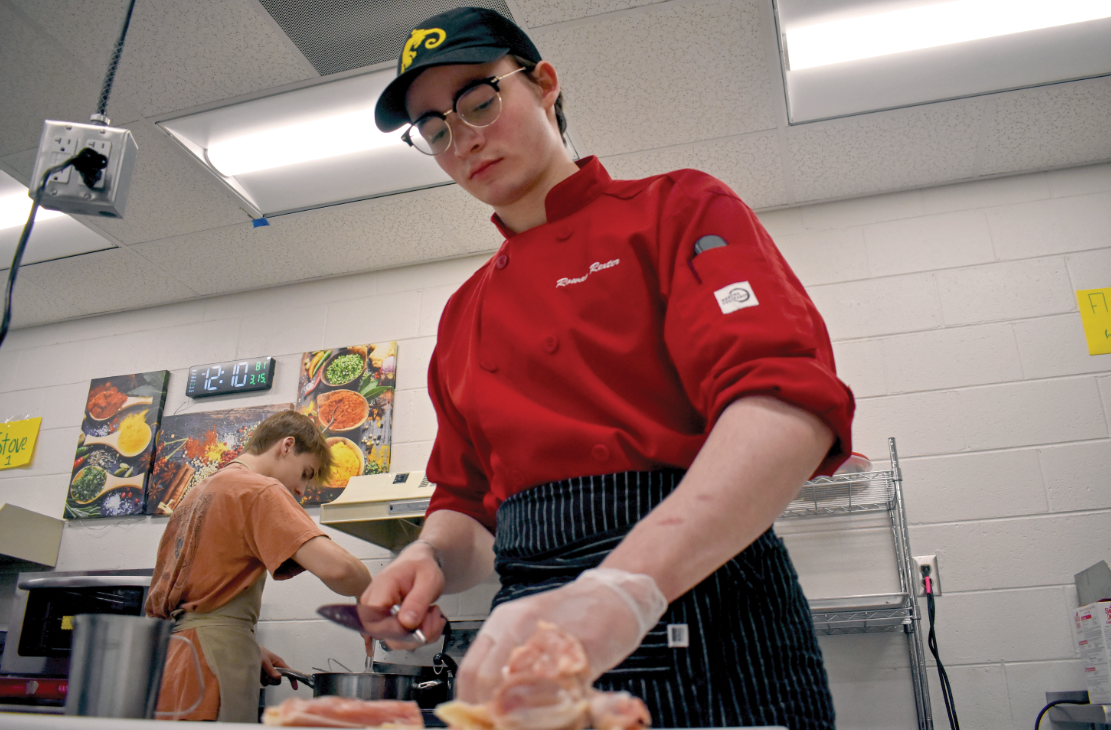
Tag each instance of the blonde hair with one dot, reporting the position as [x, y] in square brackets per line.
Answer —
[307, 437]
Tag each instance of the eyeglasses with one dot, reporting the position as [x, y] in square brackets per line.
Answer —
[478, 104]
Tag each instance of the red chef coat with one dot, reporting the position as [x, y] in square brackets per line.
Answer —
[599, 342]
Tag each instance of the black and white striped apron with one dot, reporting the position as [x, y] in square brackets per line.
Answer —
[752, 659]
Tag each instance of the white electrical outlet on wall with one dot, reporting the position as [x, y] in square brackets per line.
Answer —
[935, 576]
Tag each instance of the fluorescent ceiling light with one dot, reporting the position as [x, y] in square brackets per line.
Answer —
[306, 148]
[55, 235]
[342, 134]
[929, 26]
[15, 207]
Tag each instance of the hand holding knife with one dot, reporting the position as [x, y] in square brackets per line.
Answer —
[373, 621]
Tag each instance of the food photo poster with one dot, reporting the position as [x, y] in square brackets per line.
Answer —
[112, 463]
[349, 391]
[194, 446]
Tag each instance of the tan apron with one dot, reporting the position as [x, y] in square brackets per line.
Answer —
[227, 638]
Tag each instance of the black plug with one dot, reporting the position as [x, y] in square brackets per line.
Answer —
[89, 163]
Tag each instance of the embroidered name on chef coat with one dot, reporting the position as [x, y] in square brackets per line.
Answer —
[594, 267]
[735, 296]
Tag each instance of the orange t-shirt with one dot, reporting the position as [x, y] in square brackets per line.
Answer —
[224, 534]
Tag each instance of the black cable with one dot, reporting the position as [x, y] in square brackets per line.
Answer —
[1054, 703]
[82, 159]
[946, 688]
[110, 76]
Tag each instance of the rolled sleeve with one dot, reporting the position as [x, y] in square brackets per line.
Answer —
[774, 344]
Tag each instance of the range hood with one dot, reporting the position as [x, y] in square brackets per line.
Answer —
[385, 509]
[29, 536]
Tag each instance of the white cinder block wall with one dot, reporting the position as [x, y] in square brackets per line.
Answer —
[954, 319]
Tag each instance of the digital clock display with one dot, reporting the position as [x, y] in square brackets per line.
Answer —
[237, 376]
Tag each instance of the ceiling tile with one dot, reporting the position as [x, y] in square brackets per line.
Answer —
[233, 258]
[465, 217]
[32, 304]
[372, 234]
[669, 75]
[1050, 126]
[170, 195]
[50, 84]
[107, 281]
[871, 153]
[751, 165]
[179, 55]
[20, 165]
[545, 12]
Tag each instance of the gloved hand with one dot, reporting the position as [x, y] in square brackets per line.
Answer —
[610, 611]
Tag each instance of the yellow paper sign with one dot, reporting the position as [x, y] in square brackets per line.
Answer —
[17, 442]
[1095, 313]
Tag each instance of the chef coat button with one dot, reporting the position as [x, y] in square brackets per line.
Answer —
[600, 452]
[501, 261]
[488, 365]
[563, 234]
[551, 344]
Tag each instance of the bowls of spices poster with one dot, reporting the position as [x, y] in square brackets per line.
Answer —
[112, 463]
[194, 446]
[349, 391]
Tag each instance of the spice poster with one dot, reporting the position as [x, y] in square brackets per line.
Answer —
[194, 446]
[112, 464]
[349, 391]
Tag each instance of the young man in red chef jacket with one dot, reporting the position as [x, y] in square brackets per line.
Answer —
[228, 532]
[629, 393]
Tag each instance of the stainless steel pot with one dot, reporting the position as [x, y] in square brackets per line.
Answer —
[367, 685]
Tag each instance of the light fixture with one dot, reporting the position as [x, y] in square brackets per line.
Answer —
[926, 26]
[296, 143]
[55, 235]
[842, 57]
[306, 148]
[15, 207]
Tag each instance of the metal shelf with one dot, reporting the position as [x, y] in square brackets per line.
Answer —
[873, 491]
[887, 612]
[870, 491]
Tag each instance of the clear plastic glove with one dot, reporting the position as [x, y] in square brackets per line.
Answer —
[610, 611]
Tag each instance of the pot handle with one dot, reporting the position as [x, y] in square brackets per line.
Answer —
[292, 674]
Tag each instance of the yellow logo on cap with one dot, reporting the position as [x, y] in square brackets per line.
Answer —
[409, 54]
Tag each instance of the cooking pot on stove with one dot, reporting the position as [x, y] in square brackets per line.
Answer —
[413, 683]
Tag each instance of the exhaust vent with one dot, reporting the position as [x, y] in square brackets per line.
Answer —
[340, 35]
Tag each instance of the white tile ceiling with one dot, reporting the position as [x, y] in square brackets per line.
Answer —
[650, 86]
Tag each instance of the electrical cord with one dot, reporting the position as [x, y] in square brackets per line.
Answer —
[113, 63]
[946, 689]
[88, 164]
[1054, 703]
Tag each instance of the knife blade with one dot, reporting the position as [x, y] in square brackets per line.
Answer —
[370, 621]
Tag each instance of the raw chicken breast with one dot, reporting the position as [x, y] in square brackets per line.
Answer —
[547, 687]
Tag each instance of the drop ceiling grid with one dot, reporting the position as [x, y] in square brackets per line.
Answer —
[538, 13]
[669, 75]
[874, 153]
[1050, 126]
[706, 61]
[749, 164]
[107, 281]
[40, 80]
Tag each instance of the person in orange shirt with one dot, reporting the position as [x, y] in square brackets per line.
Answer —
[228, 532]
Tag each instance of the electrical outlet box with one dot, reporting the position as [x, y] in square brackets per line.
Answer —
[66, 191]
[935, 575]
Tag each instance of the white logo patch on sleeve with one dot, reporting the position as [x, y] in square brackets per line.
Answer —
[735, 296]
